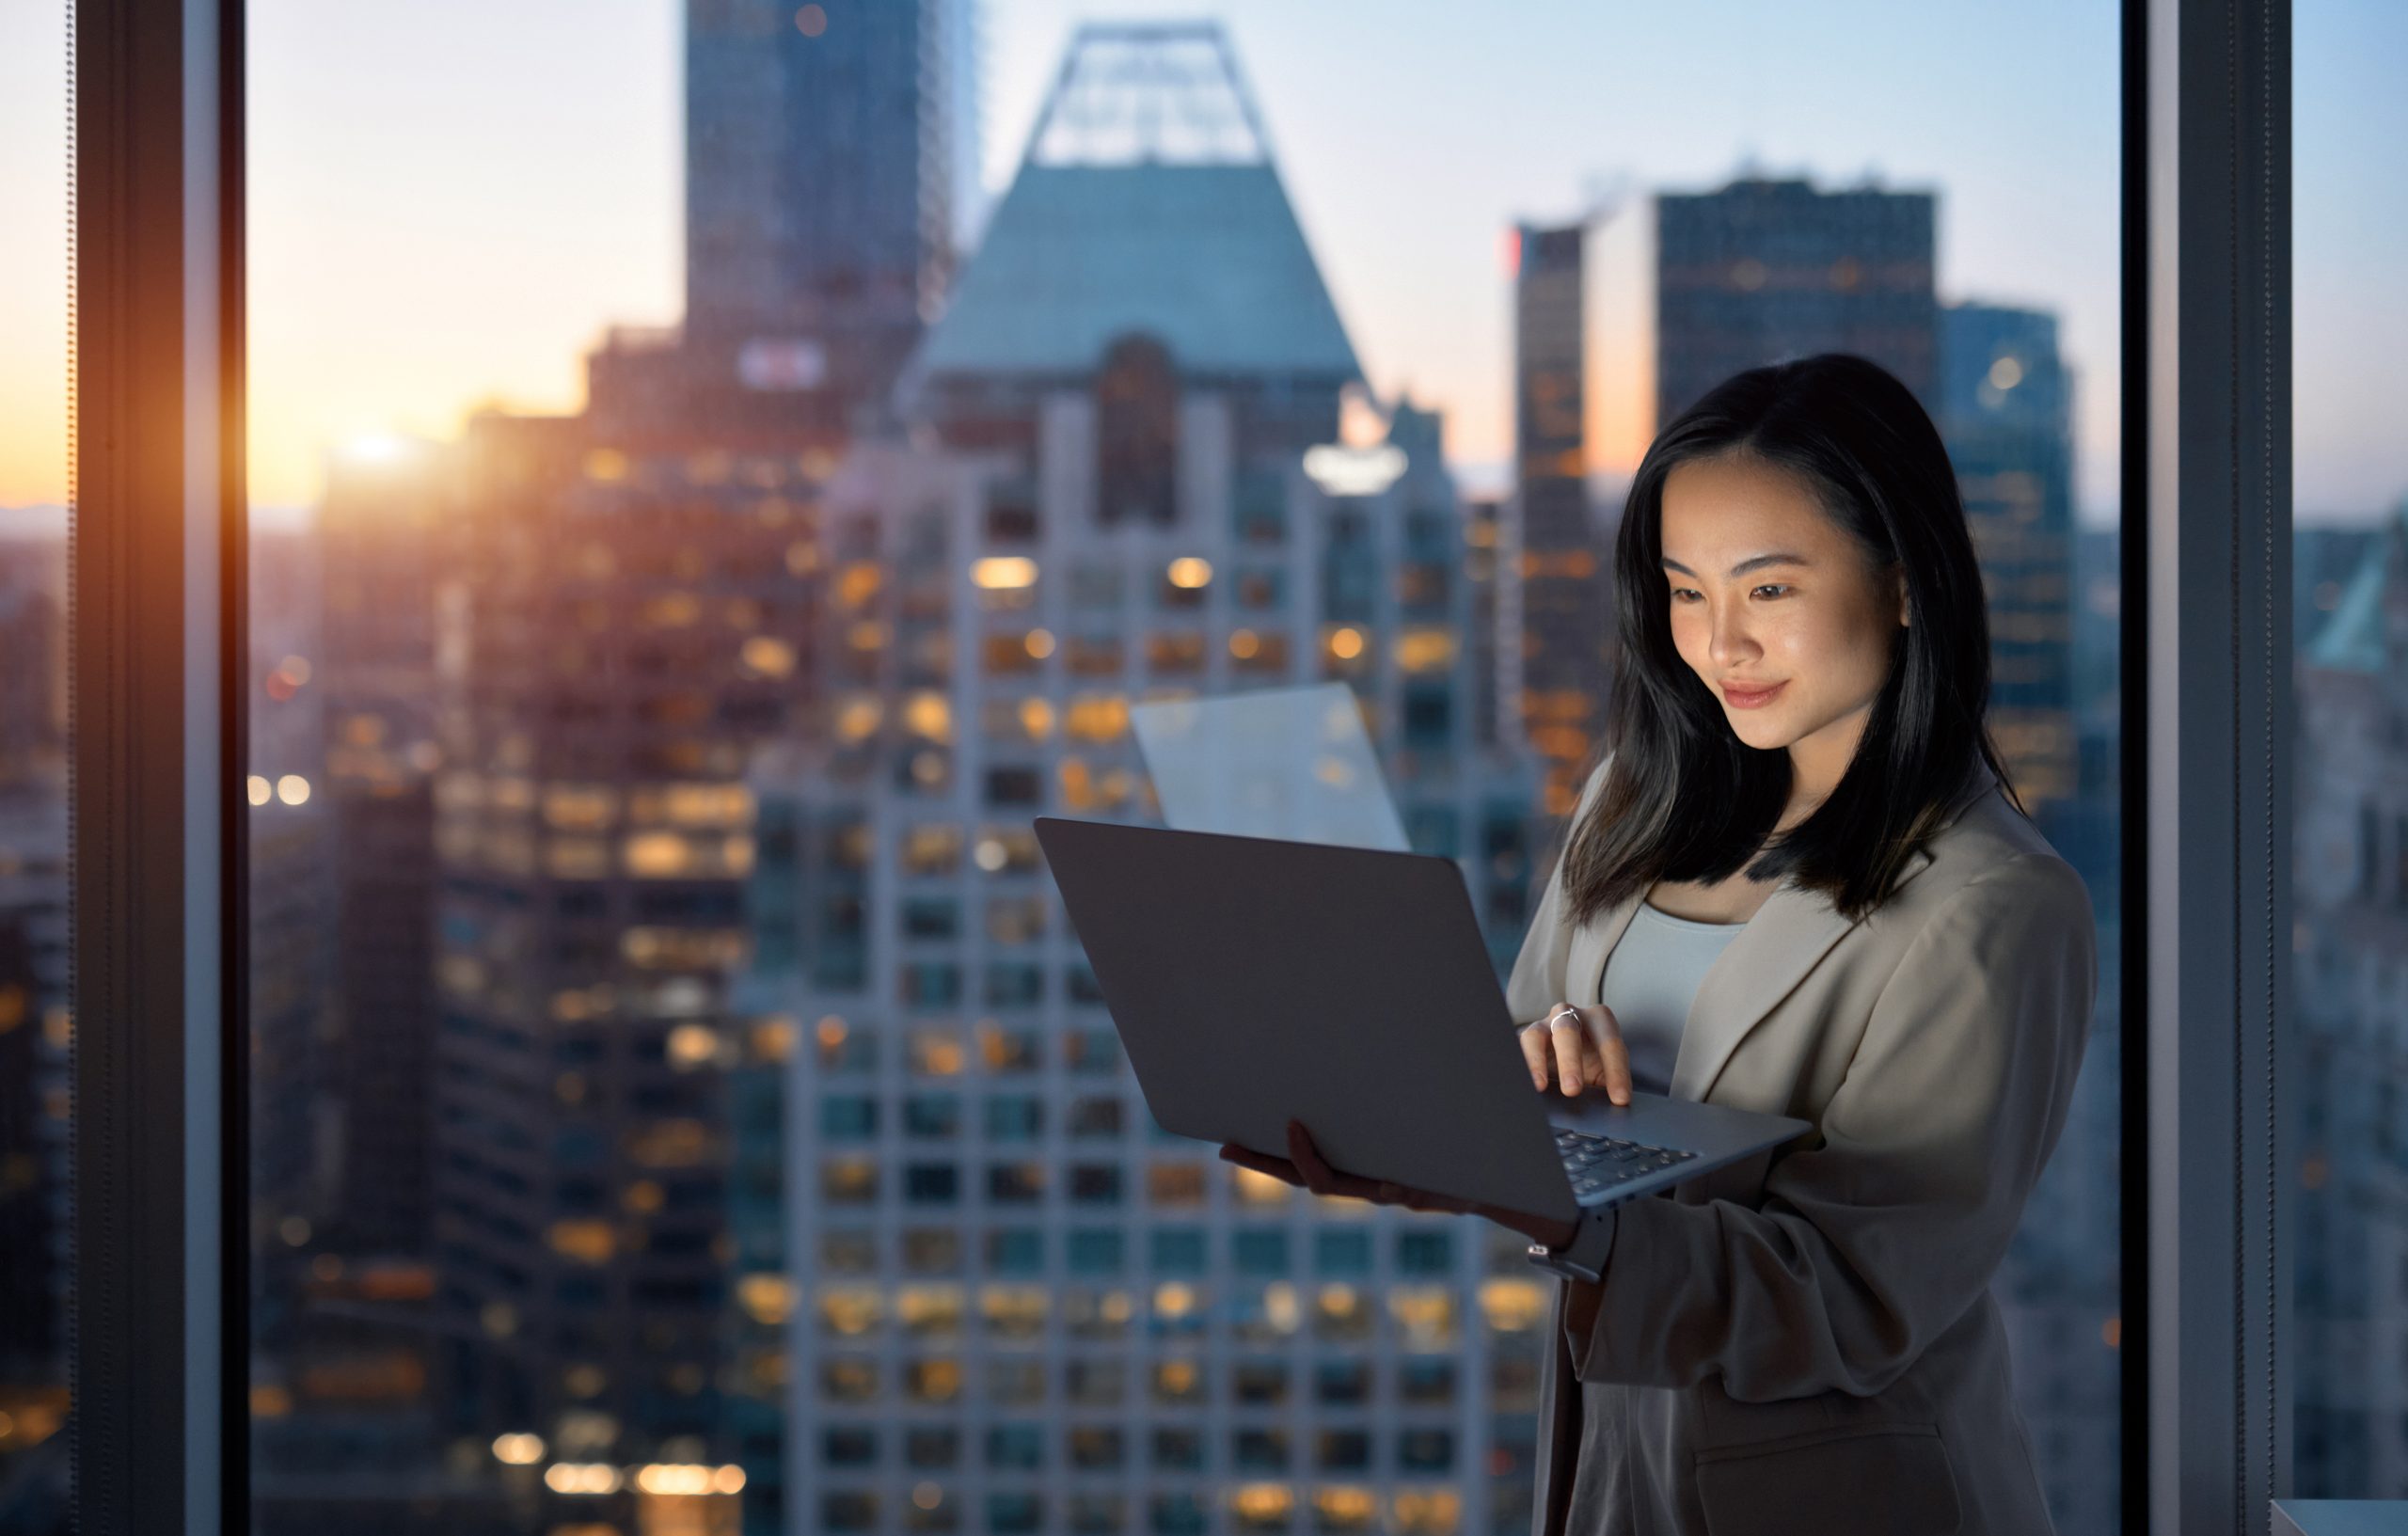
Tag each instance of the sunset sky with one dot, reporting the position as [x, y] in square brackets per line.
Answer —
[451, 199]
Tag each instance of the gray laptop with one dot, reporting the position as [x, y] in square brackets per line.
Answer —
[1258, 979]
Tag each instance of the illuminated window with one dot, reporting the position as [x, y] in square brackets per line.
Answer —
[937, 1052]
[848, 1180]
[1426, 1314]
[1262, 1506]
[930, 1311]
[849, 1311]
[1436, 1512]
[1175, 652]
[1177, 1382]
[1175, 1185]
[1342, 1313]
[932, 1380]
[1013, 1311]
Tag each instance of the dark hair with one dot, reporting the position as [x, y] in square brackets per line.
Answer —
[1686, 798]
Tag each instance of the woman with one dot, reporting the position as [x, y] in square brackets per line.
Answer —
[1837, 914]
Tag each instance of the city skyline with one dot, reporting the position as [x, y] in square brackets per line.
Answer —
[342, 201]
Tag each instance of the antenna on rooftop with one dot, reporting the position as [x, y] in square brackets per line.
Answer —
[1131, 93]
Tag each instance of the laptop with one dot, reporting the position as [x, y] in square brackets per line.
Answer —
[1291, 762]
[1256, 979]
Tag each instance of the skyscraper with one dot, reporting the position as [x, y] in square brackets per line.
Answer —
[2351, 1058]
[1566, 593]
[2006, 410]
[615, 631]
[1762, 270]
[1011, 1302]
[826, 147]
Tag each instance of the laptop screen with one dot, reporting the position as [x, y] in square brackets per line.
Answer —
[1290, 763]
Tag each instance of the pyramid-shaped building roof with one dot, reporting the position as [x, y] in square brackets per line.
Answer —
[1205, 255]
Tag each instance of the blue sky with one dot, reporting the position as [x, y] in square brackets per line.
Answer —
[453, 199]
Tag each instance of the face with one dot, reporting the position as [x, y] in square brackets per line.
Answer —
[1777, 608]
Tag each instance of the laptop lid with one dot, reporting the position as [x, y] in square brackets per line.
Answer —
[1252, 979]
[1290, 763]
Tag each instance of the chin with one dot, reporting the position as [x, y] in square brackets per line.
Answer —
[1764, 734]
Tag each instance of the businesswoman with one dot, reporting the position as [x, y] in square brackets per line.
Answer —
[1795, 883]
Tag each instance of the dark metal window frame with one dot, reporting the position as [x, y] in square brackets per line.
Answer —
[159, 1323]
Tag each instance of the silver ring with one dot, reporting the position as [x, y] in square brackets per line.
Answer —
[1567, 1010]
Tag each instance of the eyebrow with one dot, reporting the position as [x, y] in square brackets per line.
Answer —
[1752, 563]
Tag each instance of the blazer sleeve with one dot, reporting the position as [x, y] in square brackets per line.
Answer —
[1874, 1240]
[1537, 981]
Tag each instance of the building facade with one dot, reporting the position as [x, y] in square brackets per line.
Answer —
[1001, 1298]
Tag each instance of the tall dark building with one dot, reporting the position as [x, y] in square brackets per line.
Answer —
[824, 155]
[2006, 413]
[1764, 270]
[1565, 598]
[615, 631]
[379, 532]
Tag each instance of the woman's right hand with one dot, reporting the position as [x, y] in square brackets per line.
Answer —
[1575, 1048]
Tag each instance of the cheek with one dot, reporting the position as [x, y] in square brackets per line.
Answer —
[1691, 636]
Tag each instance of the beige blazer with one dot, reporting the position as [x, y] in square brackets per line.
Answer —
[1806, 1342]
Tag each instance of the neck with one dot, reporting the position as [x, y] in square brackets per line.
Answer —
[1819, 761]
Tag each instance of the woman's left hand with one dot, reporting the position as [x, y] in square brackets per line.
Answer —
[1305, 1167]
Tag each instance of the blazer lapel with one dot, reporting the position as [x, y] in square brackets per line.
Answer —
[1765, 962]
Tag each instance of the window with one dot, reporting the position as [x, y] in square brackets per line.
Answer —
[527, 681]
[2348, 1091]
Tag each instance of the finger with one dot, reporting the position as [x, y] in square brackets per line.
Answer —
[1319, 1176]
[1613, 1053]
[1536, 1053]
[1278, 1167]
[1569, 1039]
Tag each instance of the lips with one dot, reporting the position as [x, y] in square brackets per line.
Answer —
[1745, 698]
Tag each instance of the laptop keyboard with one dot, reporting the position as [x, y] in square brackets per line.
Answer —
[1600, 1163]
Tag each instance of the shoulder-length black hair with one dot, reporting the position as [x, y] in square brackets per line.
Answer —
[1686, 798]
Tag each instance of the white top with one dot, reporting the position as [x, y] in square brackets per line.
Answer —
[1649, 981]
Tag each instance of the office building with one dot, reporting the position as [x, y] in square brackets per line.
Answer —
[2006, 414]
[2349, 1058]
[831, 169]
[1762, 270]
[613, 632]
[1562, 565]
[1009, 1302]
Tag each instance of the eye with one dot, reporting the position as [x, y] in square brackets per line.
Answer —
[1681, 595]
[1769, 586]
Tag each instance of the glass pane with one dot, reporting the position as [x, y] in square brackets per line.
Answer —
[36, 1035]
[2349, 1063]
[721, 468]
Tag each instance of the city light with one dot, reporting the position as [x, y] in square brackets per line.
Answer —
[1190, 570]
[1004, 572]
[519, 1449]
[292, 789]
[1339, 470]
[581, 1477]
[260, 790]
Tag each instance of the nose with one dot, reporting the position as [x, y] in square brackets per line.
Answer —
[1731, 643]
